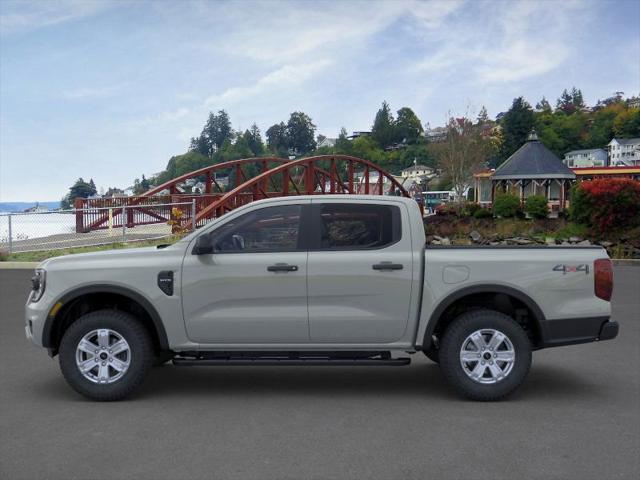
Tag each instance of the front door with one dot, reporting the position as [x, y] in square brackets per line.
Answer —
[252, 288]
[359, 273]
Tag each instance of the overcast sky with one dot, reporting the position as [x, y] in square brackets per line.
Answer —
[111, 90]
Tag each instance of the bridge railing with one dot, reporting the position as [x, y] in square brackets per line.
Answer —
[103, 213]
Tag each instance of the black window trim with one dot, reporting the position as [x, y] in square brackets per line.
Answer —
[314, 234]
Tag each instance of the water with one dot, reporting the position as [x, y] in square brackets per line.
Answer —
[28, 226]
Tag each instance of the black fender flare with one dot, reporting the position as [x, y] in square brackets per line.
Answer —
[48, 330]
[453, 297]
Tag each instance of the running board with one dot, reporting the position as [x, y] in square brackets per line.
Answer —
[287, 360]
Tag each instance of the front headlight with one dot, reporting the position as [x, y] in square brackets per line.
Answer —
[38, 284]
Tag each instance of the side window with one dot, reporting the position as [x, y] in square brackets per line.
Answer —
[270, 229]
[348, 226]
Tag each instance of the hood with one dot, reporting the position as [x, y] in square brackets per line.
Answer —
[107, 257]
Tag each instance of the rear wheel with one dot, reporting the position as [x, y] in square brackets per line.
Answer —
[106, 354]
[485, 355]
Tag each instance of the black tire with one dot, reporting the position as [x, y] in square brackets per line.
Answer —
[141, 354]
[452, 342]
[432, 353]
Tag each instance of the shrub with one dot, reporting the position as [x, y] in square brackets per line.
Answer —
[506, 205]
[468, 209]
[447, 209]
[606, 204]
[483, 213]
[536, 206]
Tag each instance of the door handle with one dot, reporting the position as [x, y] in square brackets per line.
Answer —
[282, 267]
[388, 266]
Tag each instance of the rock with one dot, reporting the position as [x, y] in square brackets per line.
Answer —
[519, 241]
[430, 238]
[475, 236]
[565, 243]
[437, 237]
[584, 243]
[494, 243]
[523, 241]
[436, 242]
[550, 241]
[574, 239]
[605, 244]
[445, 241]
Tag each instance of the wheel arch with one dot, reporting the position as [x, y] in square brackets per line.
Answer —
[59, 319]
[491, 294]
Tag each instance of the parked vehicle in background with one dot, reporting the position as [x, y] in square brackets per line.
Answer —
[330, 280]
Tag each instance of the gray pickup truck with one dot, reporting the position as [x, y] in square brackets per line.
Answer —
[317, 280]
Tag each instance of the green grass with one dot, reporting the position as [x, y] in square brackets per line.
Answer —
[572, 230]
[44, 254]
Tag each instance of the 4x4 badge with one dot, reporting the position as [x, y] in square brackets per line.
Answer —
[571, 269]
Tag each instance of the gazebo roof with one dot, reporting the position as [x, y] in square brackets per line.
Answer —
[533, 160]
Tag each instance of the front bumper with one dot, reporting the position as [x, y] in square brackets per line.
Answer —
[573, 331]
[35, 316]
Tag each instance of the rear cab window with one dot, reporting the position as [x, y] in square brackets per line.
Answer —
[356, 226]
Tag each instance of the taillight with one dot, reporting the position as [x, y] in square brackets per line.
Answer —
[603, 278]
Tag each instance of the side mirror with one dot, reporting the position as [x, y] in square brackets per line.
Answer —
[203, 245]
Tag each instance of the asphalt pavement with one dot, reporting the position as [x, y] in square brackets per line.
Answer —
[576, 417]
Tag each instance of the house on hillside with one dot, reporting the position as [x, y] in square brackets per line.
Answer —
[435, 135]
[355, 135]
[327, 142]
[624, 152]
[532, 170]
[593, 157]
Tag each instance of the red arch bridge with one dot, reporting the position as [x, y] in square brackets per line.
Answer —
[245, 180]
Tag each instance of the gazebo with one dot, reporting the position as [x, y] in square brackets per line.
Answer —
[532, 170]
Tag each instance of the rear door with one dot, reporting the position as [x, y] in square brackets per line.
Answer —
[252, 288]
[359, 272]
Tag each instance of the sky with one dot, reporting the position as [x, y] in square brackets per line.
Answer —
[111, 90]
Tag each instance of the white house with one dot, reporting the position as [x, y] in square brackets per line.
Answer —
[624, 152]
[327, 142]
[594, 157]
[418, 172]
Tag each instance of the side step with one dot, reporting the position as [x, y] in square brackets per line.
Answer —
[289, 358]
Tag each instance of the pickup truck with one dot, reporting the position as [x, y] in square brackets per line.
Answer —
[317, 280]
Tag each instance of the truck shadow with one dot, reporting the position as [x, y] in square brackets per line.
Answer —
[424, 381]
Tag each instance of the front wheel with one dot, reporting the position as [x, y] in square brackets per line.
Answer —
[106, 354]
[485, 355]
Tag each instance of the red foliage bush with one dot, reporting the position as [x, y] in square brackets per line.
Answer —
[607, 204]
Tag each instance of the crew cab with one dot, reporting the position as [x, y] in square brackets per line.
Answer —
[317, 280]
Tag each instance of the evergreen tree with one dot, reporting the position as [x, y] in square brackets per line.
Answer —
[565, 103]
[517, 123]
[576, 99]
[301, 133]
[543, 106]
[483, 116]
[277, 140]
[408, 126]
[253, 138]
[216, 131]
[343, 144]
[382, 130]
[200, 145]
[80, 189]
